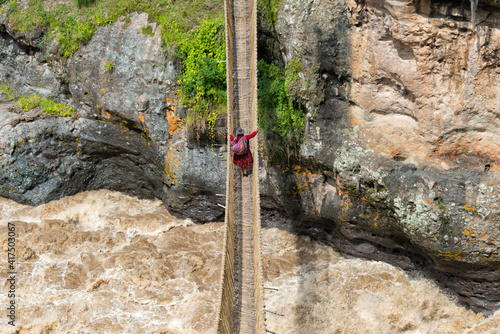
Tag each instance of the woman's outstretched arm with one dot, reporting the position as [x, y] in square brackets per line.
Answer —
[251, 135]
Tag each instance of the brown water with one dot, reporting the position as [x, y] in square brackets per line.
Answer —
[103, 262]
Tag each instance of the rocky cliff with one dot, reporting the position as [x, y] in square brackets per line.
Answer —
[400, 160]
[128, 132]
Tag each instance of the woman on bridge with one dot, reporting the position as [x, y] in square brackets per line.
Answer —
[242, 156]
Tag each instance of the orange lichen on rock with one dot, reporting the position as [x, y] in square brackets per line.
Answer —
[171, 115]
[123, 127]
[468, 232]
[171, 165]
[339, 187]
[455, 255]
[467, 207]
[301, 174]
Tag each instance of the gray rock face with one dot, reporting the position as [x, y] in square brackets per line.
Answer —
[120, 69]
[22, 70]
[43, 158]
[191, 171]
[403, 152]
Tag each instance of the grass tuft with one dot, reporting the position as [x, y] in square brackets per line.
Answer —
[8, 93]
[109, 66]
[49, 106]
[148, 30]
[85, 3]
[29, 102]
[56, 108]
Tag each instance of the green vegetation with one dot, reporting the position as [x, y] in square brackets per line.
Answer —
[282, 120]
[70, 24]
[8, 93]
[49, 106]
[292, 79]
[195, 30]
[148, 30]
[109, 66]
[202, 88]
[269, 10]
[85, 3]
[56, 108]
[202, 84]
[442, 207]
[357, 170]
[126, 22]
[29, 102]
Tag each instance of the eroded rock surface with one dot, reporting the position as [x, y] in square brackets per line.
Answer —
[45, 157]
[403, 153]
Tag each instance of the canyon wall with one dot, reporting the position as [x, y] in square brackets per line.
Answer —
[401, 157]
[400, 160]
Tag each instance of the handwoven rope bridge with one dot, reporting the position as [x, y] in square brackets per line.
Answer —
[241, 301]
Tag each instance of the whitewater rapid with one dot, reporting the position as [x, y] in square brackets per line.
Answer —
[104, 262]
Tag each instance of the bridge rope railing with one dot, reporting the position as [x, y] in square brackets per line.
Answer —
[225, 309]
[260, 326]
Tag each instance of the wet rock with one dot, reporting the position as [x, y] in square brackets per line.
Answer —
[201, 209]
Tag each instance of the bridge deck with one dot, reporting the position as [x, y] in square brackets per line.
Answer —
[241, 306]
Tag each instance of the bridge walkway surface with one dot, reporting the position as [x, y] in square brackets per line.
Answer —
[241, 307]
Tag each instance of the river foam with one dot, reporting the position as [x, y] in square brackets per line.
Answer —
[104, 262]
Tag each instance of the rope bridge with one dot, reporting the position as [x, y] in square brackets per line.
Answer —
[241, 302]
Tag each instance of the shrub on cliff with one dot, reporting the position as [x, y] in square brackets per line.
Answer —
[281, 119]
[202, 84]
[56, 108]
[7, 92]
[268, 9]
[29, 102]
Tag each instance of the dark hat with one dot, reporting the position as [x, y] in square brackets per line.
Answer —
[239, 132]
